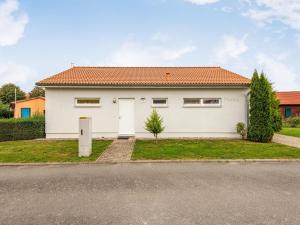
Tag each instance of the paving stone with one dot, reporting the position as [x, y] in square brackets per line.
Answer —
[119, 150]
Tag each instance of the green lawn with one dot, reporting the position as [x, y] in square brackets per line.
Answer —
[295, 132]
[211, 149]
[47, 151]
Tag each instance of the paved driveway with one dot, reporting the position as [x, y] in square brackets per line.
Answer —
[170, 193]
[287, 140]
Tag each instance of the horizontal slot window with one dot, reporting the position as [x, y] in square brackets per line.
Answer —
[191, 101]
[211, 102]
[201, 102]
[86, 102]
[159, 102]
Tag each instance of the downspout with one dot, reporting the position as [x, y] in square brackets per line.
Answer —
[247, 109]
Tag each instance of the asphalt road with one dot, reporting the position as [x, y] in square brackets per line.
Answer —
[170, 193]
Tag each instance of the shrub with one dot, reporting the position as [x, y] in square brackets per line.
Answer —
[241, 129]
[261, 112]
[293, 121]
[153, 124]
[22, 129]
[276, 115]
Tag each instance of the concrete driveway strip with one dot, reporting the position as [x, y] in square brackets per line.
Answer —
[287, 140]
[151, 193]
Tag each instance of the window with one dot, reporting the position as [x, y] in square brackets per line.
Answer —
[191, 102]
[211, 102]
[201, 102]
[87, 102]
[159, 102]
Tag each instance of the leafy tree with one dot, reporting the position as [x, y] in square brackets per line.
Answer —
[276, 116]
[7, 93]
[37, 92]
[154, 125]
[261, 111]
[5, 111]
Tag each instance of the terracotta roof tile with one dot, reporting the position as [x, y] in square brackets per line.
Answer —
[289, 97]
[144, 76]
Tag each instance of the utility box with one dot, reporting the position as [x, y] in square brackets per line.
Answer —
[85, 136]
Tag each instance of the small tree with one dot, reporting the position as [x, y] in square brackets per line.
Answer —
[241, 129]
[37, 92]
[261, 114]
[7, 93]
[154, 125]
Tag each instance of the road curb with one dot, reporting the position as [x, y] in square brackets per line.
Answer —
[154, 161]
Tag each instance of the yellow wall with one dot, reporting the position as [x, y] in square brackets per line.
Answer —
[36, 105]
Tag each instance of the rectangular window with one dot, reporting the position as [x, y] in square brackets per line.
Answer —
[192, 102]
[201, 102]
[87, 102]
[211, 102]
[159, 102]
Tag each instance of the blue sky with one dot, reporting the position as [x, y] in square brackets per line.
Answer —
[40, 38]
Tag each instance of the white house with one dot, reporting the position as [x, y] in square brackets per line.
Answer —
[193, 101]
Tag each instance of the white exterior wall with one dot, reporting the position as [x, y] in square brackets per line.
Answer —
[62, 115]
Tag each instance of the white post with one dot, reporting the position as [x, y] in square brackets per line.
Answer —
[85, 136]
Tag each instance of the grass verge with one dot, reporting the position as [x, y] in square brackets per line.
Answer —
[295, 132]
[211, 149]
[47, 151]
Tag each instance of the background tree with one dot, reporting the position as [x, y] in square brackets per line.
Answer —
[5, 111]
[276, 116]
[261, 109]
[37, 92]
[7, 93]
[154, 125]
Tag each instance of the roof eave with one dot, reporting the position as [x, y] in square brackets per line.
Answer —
[243, 85]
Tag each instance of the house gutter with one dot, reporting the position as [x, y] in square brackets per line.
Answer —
[143, 86]
[247, 109]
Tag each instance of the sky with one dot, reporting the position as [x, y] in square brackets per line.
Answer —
[41, 38]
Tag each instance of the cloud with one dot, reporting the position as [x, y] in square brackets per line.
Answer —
[226, 9]
[281, 74]
[268, 11]
[201, 2]
[12, 25]
[298, 39]
[133, 53]
[15, 73]
[231, 47]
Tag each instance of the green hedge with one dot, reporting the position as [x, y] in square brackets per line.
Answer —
[22, 129]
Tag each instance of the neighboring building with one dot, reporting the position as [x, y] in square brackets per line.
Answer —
[289, 103]
[193, 101]
[29, 107]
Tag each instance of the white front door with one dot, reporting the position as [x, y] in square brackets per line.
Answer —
[126, 117]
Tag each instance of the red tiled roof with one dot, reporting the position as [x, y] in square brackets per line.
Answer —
[289, 97]
[145, 76]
